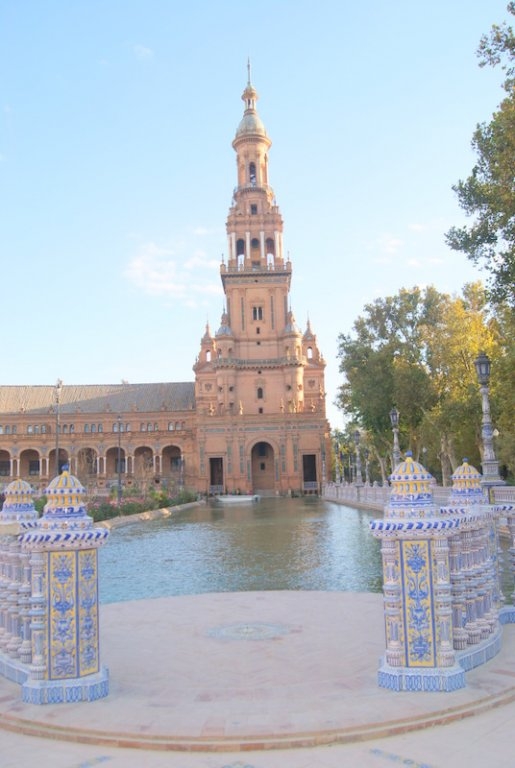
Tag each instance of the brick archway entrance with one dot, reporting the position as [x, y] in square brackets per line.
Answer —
[263, 467]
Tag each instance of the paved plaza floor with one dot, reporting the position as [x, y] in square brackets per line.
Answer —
[260, 680]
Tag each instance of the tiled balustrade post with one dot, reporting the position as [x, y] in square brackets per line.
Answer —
[63, 550]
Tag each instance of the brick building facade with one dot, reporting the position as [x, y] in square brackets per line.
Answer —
[253, 421]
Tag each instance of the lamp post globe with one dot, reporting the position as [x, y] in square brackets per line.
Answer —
[482, 366]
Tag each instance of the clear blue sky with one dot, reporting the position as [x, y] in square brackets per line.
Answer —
[117, 171]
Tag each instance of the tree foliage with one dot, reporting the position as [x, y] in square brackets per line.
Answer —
[416, 351]
[385, 359]
[498, 49]
[488, 194]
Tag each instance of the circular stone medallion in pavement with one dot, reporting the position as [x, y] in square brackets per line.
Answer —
[256, 630]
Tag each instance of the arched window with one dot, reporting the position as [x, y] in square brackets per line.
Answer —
[208, 356]
[240, 252]
[270, 251]
[252, 174]
[310, 353]
[260, 393]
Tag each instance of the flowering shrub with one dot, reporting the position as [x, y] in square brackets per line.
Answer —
[135, 505]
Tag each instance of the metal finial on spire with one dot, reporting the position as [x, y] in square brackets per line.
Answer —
[248, 70]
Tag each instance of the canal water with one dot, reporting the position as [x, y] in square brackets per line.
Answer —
[274, 544]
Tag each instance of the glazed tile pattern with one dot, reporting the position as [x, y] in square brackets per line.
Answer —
[441, 583]
[419, 609]
[49, 597]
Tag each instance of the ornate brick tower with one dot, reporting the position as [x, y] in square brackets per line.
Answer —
[259, 380]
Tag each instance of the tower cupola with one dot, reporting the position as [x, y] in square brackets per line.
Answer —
[251, 124]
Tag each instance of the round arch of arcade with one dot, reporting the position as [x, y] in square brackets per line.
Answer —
[97, 464]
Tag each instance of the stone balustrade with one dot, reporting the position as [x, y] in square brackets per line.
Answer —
[443, 604]
[49, 633]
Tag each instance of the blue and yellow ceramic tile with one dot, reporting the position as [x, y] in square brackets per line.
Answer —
[63, 615]
[418, 613]
[88, 612]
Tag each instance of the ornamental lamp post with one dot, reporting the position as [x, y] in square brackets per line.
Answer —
[119, 462]
[337, 479]
[57, 395]
[490, 465]
[367, 475]
[394, 421]
[359, 477]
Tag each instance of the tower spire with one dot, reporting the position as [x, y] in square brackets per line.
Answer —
[254, 225]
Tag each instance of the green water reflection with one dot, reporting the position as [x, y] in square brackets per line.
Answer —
[279, 544]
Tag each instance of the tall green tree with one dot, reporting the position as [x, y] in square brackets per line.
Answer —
[502, 389]
[488, 194]
[384, 362]
[453, 426]
[416, 351]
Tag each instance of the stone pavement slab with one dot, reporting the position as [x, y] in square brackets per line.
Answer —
[254, 680]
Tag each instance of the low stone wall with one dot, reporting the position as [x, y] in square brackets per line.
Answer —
[151, 514]
[373, 497]
[369, 497]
